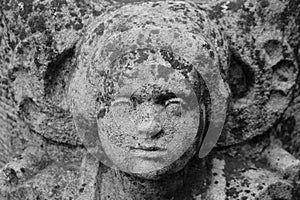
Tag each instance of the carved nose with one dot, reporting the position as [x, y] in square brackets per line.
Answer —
[149, 129]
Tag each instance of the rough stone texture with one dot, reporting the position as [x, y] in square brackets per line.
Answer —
[241, 172]
[282, 161]
[288, 128]
[263, 72]
[42, 49]
[252, 177]
[38, 47]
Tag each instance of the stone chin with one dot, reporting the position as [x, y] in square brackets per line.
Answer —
[153, 166]
[172, 168]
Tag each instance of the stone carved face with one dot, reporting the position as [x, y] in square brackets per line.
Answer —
[138, 97]
[153, 117]
[149, 115]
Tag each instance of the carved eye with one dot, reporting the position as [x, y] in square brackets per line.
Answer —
[122, 102]
[162, 99]
[174, 106]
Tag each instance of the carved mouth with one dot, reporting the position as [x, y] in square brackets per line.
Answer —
[145, 148]
[148, 152]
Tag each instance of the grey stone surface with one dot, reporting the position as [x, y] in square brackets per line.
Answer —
[256, 44]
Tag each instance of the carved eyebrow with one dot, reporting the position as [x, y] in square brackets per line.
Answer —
[175, 100]
[163, 98]
[120, 100]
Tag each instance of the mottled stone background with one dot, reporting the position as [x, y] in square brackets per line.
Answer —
[38, 41]
[37, 60]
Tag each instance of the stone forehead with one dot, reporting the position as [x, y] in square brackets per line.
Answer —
[153, 64]
[147, 68]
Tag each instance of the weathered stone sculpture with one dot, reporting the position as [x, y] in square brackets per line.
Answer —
[113, 100]
[128, 74]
